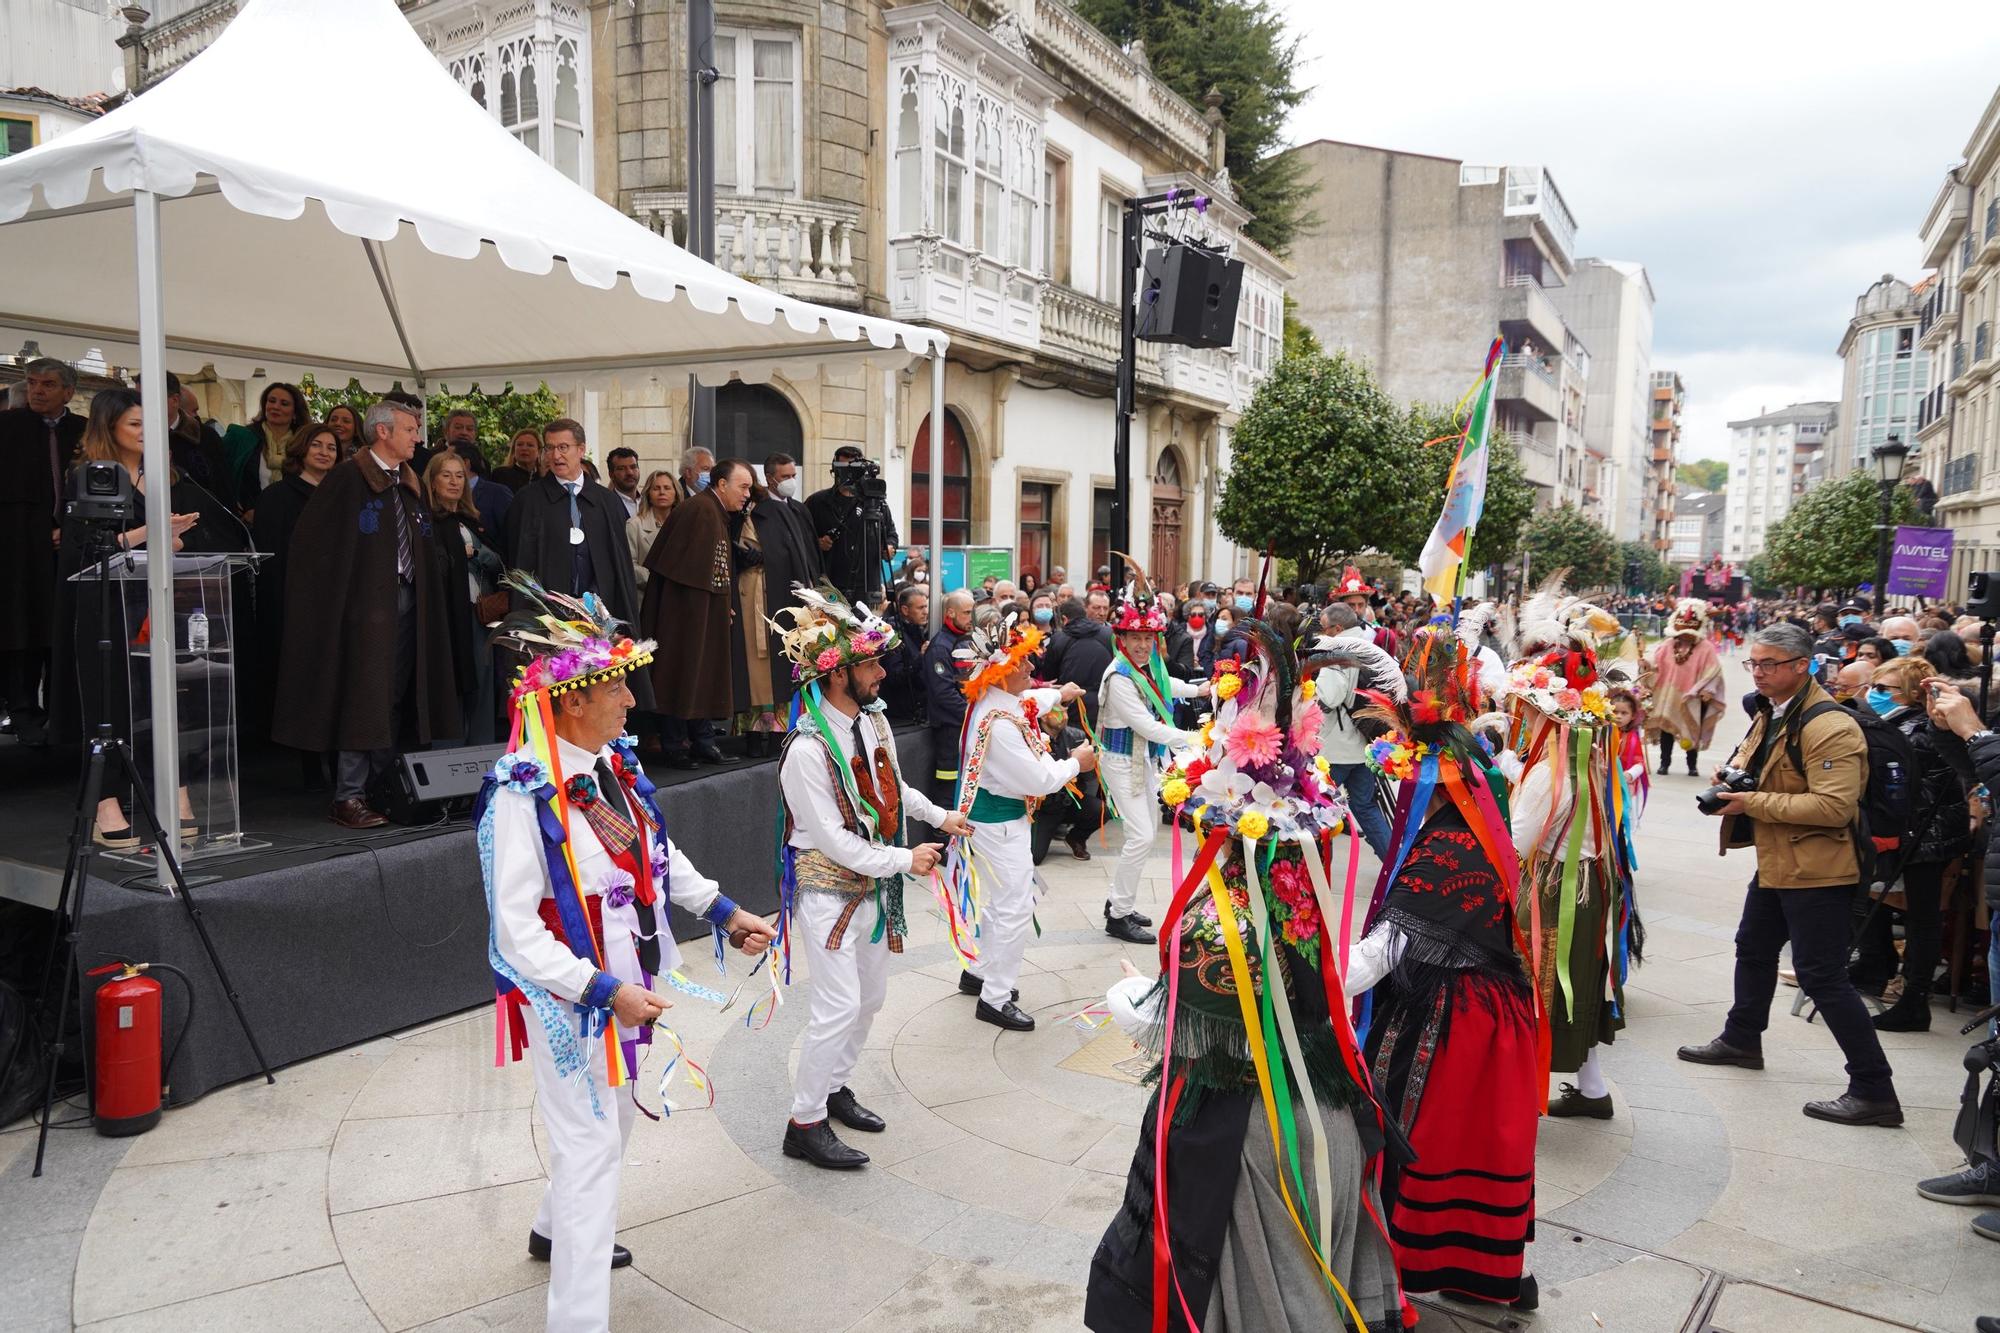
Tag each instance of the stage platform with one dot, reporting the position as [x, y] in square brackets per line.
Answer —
[333, 937]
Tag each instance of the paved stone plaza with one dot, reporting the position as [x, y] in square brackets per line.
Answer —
[391, 1185]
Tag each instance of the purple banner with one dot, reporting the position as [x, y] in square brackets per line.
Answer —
[1920, 562]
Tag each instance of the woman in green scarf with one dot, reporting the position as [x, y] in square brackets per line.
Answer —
[256, 452]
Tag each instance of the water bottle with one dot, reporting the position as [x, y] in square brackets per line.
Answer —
[198, 632]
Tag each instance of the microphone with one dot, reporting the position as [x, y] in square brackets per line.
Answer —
[249, 541]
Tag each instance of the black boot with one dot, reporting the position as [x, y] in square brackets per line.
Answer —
[1531, 1294]
[1693, 768]
[1910, 1013]
[818, 1144]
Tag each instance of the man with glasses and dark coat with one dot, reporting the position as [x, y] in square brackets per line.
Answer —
[1810, 762]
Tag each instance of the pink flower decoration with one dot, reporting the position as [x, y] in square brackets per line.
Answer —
[1252, 740]
[1305, 729]
[828, 659]
[1568, 699]
[1541, 680]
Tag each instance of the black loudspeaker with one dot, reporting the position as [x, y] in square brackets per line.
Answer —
[427, 786]
[1982, 594]
[1188, 295]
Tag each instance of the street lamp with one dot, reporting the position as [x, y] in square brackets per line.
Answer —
[1889, 474]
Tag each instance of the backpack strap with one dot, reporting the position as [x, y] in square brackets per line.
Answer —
[1794, 735]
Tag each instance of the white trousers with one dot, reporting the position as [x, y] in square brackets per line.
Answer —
[848, 986]
[1131, 784]
[1007, 881]
[579, 1212]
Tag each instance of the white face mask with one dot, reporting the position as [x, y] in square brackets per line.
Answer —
[789, 487]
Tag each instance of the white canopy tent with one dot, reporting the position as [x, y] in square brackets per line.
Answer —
[292, 225]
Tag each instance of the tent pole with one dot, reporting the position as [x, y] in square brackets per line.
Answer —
[159, 527]
[702, 75]
[937, 486]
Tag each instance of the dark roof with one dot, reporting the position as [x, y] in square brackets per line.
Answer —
[1703, 504]
[1793, 415]
[91, 104]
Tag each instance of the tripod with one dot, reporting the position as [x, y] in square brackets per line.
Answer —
[109, 751]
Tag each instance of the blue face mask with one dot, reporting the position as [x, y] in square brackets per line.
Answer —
[700, 481]
[1849, 620]
[1902, 647]
[1244, 603]
[1043, 615]
[1881, 701]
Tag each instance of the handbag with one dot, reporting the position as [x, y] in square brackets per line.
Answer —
[492, 606]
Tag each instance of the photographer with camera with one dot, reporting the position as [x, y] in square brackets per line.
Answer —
[1793, 790]
[855, 529]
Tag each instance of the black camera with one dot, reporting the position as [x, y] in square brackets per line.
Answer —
[1732, 779]
[100, 493]
[1982, 594]
[863, 475]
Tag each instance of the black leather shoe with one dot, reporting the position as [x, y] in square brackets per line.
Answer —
[1911, 1013]
[538, 1249]
[1079, 848]
[1127, 928]
[818, 1144]
[1720, 1052]
[840, 1104]
[1530, 1297]
[1848, 1109]
[1139, 918]
[1008, 1015]
[1570, 1101]
[708, 754]
[680, 759]
[968, 984]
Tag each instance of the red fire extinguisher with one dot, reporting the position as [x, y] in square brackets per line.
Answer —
[128, 1050]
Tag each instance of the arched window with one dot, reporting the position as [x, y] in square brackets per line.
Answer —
[1167, 471]
[754, 421]
[957, 485]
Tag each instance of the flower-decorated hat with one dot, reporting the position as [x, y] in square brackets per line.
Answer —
[1352, 585]
[996, 645]
[570, 642]
[1135, 617]
[827, 632]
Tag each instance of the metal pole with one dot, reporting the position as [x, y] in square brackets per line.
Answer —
[701, 187]
[937, 487]
[1882, 552]
[1121, 439]
[159, 534]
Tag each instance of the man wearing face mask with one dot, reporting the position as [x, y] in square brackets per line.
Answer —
[1191, 655]
[696, 464]
[1901, 631]
[1851, 683]
[791, 556]
[944, 702]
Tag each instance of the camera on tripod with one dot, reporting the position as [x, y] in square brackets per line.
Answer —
[863, 476]
[1709, 802]
[101, 495]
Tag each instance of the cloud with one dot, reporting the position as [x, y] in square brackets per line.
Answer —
[1765, 169]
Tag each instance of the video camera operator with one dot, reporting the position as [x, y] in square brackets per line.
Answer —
[856, 531]
[1793, 790]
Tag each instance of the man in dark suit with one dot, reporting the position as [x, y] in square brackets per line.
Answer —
[490, 498]
[791, 556]
[38, 443]
[569, 532]
[903, 682]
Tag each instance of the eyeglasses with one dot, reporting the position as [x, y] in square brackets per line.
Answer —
[1758, 668]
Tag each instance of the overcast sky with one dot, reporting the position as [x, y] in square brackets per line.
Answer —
[1765, 161]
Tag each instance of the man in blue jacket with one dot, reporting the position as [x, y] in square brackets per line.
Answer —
[944, 702]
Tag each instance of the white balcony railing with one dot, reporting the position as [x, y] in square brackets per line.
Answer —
[1531, 192]
[1073, 40]
[802, 247]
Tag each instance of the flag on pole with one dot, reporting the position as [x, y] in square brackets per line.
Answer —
[1464, 491]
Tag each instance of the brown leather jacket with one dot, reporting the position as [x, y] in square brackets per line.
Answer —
[1802, 821]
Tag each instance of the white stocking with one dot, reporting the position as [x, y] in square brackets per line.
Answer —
[1590, 1077]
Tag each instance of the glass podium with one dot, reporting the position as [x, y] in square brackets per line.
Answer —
[112, 595]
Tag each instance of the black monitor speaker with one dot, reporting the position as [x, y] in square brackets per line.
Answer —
[1188, 295]
[427, 786]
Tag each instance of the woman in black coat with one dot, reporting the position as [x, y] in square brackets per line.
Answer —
[312, 454]
[472, 569]
[83, 692]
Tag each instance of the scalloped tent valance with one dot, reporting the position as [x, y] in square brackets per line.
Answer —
[363, 214]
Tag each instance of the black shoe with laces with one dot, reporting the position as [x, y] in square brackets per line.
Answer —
[840, 1104]
[818, 1144]
[1127, 928]
[1570, 1101]
[1134, 916]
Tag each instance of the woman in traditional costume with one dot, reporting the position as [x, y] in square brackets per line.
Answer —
[1450, 1022]
[1688, 698]
[1250, 1203]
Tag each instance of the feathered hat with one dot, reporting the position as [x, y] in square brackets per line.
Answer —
[1139, 612]
[826, 632]
[1352, 585]
[570, 642]
[1690, 619]
[997, 643]
[1436, 716]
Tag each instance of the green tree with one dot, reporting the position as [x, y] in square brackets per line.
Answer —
[1564, 538]
[1828, 540]
[1509, 497]
[1300, 340]
[1240, 48]
[1319, 446]
[1704, 474]
[501, 415]
[1645, 572]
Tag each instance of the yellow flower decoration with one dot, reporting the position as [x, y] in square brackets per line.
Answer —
[1309, 689]
[1323, 764]
[1207, 732]
[1175, 791]
[1228, 686]
[1252, 824]
[1595, 703]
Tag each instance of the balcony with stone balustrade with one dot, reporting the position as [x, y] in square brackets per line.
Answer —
[800, 247]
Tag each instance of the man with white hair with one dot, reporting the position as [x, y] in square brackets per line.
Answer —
[695, 464]
[1901, 631]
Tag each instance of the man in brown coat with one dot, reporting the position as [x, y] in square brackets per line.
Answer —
[1810, 762]
[691, 578]
[366, 666]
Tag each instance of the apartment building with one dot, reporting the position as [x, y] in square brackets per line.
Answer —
[1416, 261]
[1884, 375]
[1771, 459]
[1698, 528]
[1608, 303]
[1657, 505]
[957, 165]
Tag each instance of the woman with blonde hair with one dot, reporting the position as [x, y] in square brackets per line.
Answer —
[657, 499]
[1899, 696]
[472, 570]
